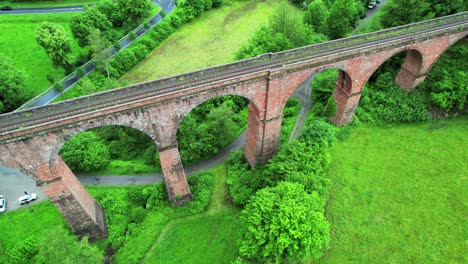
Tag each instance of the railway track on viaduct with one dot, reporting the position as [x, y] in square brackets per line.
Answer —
[346, 48]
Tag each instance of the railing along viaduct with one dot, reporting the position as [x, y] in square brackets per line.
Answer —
[31, 139]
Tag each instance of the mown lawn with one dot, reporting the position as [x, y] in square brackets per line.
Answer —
[399, 195]
[18, 44]
[209, 40]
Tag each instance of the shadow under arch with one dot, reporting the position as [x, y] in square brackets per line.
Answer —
[232, 105]
[89, 127]
[309, 96]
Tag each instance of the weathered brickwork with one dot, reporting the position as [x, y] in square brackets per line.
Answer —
[35, 150]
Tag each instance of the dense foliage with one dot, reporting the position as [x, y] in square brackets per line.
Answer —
[11, 86]
[56, 42]
[284, 224]
[210, 127]
[285, 199]
[400, 12]
[285, 31]
[304, 161]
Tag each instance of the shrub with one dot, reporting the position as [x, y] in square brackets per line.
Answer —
[201, 185]
[384, 102]
[24, 251]
[284, 224]
[138, 214]
[132, 35]
[80, 72]
[59, 87]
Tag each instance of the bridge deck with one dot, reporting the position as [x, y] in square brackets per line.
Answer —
[347, 47]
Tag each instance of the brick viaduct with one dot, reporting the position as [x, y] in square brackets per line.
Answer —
[31, 139]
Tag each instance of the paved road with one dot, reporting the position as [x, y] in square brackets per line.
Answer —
[70, 80]
[38, 10]
[12, 185]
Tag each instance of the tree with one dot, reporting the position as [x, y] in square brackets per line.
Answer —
[98, 48]
[341, 18]
[83, 23]
[284, 224]
[56, 42]
[11, 86]
[397, 12]
[85, 152]
[134, 11]
[316, 15]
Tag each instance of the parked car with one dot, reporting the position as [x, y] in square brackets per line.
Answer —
[371, 4]
[2, 204]
[378, 1]
[27, 197]
[6, 8]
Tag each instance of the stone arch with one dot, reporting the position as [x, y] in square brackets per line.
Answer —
[344, 80]
[66, 134]
[191, 104]
[453, 41]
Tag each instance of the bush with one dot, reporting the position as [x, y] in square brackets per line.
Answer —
[201, 185]
[24, 251]
[132, 35]
[59, 87]
[80, 72]
[384, 102]
[284, 224]
[138, 215]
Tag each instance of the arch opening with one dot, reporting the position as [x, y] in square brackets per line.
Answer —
[212, 127]
[111, 150]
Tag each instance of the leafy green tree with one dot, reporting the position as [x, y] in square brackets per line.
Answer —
[341, 18]
[285, 31]
[85, 152]
[83, 23]
[399, 12]
[284, 224]
[316, 15]
[11, 86]
[134, 11]
[56, 42]
[98, 47]
[221, 124]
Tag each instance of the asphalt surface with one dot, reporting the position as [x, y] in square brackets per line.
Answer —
[13, 184]
[50, 10]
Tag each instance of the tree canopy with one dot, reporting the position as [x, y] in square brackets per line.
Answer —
[56, 42]
[284, 224]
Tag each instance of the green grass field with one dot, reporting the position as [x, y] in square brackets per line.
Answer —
[17, 43]
[210, 237]
[400, 195]
[209, 40]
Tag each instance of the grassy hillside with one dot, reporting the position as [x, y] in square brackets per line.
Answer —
[399, 194]
[209, 40]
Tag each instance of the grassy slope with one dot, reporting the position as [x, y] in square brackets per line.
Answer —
[206, 238]
[17, 42]
[399, 195]
[210, 40]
